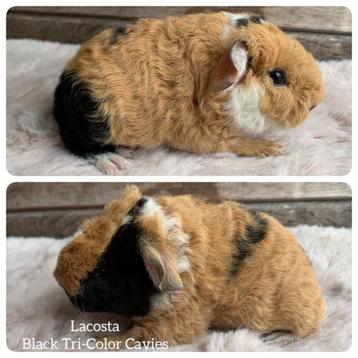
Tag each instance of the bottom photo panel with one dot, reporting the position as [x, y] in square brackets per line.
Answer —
[179, 266]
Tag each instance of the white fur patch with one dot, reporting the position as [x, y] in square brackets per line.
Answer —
[151, 207]
[243, 106]
[173, 229]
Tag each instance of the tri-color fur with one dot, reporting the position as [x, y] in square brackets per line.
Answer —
[179, 266]
[201, 83]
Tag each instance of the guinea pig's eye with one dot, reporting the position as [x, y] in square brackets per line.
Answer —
[278, 77]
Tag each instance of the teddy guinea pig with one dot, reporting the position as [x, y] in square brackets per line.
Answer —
[178, 266]
[202, 83]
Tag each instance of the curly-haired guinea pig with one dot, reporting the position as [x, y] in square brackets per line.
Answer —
[179, 266]
[202, 83]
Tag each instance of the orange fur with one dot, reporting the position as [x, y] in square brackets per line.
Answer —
[158, 84]
[80, 256]
[273, 287]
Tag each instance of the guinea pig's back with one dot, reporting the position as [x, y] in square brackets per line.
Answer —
[78, 110]
[99, 101]
[278, 284]
[139, 86]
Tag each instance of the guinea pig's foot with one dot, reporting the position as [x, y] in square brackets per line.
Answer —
[110, 163]
[125, 152]
[267, 148]
[248, 147]
[279, 338]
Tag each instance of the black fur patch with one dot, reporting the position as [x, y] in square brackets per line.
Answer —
[117, 33]
[257, 19]
[256, 232]
[242, 22]
[82, 129]
[137, 207]
[120, 283]
[253, 234]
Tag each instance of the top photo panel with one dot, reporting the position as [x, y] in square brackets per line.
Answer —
[167, 91]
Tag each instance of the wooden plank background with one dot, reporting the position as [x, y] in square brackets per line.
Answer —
[56, 209]
[326, 31]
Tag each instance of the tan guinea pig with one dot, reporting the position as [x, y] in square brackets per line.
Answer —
[179, 266]
[201, 83]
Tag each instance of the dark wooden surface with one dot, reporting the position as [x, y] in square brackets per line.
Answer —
[325, 31]
[56, 209]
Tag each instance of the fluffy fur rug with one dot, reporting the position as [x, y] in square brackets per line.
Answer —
[37, 307]
[321, 146]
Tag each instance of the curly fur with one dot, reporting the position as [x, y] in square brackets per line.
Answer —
[168, 82]
[37, 307]
[320, 146]
[245, 270]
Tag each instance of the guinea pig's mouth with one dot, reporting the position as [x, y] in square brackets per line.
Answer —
[239, 56]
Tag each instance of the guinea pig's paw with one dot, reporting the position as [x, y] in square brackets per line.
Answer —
[110, 163]
[278, 338]
[125, 153]
[267, 148]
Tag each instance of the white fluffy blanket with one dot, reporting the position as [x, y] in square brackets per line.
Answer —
[321, 146]
[37, 307]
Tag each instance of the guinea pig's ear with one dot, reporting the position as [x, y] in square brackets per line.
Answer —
[162, 268]
[230, 69]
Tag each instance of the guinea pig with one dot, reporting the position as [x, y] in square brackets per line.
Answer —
[201, 83]
[178, 266]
